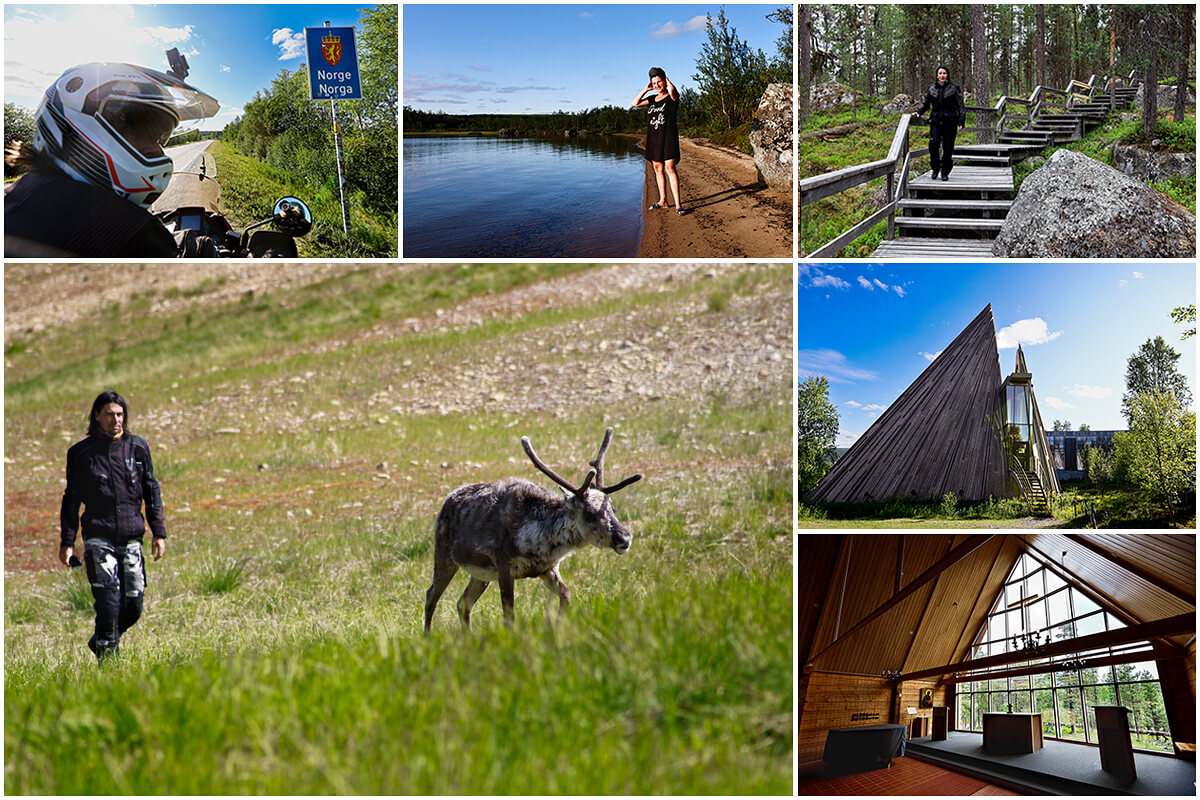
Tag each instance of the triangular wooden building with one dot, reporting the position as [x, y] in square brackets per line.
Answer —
[959, 429]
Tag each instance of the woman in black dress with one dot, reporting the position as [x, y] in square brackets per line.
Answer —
[661, 98]
[947, 116]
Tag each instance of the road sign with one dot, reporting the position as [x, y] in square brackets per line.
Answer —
[332, 64]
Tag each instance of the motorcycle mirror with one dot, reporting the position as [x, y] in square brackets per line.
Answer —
[292, 216]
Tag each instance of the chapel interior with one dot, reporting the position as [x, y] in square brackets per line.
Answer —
[1015, 663]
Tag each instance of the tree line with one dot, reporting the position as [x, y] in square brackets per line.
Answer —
[992, 50]
[730, 80]
[284, 128]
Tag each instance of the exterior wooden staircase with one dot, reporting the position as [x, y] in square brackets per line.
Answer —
[961, 217]
[1031, 487]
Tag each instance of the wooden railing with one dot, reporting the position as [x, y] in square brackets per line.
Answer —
[996, 120]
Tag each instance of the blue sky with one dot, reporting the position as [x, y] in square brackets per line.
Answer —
[465, 59]
[233, 50]
[872, 329]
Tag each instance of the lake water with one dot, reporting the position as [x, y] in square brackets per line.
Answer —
[470, 197]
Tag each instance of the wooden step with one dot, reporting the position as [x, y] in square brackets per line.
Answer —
[959, 157]
[963, 204]
[930, 247]
[968, 179]
[950, 223]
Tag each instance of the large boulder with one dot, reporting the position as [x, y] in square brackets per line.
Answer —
[771, 136]
[1151, 165]
[1166, 97]
[828, 96]
[898, 105]
[1076, 207]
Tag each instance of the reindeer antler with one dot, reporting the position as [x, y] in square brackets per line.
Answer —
[554, 476]
[598, 463]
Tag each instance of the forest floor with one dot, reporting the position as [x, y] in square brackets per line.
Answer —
[729, 213]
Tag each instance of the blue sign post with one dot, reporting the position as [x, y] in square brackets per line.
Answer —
[333, 75]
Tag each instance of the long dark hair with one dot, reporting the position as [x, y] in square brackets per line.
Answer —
[103, 399]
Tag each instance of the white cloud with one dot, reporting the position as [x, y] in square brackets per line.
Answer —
[42, 41]
[1025, 331]
[874, 407]
[1090, 392]
[847, 438]
[899, 290]
[881, 284]
[866, 284]
[1122, 282]
[669, 30]
[930, 356]
[833, 365]
[1137, 275]
[830, 280]
[587, 15]
[852, 404]
[1054, 402]
[224, 68]
[289, 42]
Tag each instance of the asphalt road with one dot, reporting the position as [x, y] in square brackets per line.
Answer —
[187, 157]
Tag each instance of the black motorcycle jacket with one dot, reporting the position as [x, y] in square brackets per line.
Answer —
[946, 100]
[111, 478]
[48, 213]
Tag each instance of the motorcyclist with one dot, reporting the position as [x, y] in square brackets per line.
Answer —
[97, 164]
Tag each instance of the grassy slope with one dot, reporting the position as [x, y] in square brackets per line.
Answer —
[825, 220]
[250, 188]
[281, 648]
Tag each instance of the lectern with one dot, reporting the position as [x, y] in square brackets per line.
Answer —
[1116, 748]
[941, 723]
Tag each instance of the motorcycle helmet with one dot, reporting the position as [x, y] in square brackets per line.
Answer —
[106, 124]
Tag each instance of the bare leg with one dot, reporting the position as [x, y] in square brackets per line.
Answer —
[658, 178]
[474, 589]
[555, 584]
[673, 177]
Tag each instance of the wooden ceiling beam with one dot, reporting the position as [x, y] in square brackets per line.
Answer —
[824, 610]
[1171, 626]
[1104, 661]
[958, 648]
[950, 559]
[1185, 593]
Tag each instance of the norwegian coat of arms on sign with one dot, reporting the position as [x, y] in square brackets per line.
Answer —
[331, 48]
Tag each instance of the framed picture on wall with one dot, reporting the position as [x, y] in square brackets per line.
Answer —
[926, 698]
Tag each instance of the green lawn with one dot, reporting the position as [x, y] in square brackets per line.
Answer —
[305, 437]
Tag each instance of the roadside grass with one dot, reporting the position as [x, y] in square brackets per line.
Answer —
[1119, 507]
[281, 647]
[249, 189]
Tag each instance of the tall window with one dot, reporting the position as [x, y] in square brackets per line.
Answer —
[1035, 601]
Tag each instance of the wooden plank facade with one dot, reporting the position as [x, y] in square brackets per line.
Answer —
[943, 435]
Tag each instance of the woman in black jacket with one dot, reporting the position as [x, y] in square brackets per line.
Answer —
[947, 118]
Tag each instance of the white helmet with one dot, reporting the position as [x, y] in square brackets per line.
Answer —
[106, 123]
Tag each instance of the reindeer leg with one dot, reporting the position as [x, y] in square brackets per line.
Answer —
[506, 589]
[465, 603]
[443, 572]
[555, 584]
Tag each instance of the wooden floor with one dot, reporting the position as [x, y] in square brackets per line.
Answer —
[906, 776]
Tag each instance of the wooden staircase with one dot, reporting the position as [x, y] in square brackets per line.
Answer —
[1031, 489]
[961, 217]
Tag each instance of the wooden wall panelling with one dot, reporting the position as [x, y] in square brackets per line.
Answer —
[1002, 565]
[1179, 698]
[815, 567]
[1165, 560]
[910, 697]
[832, 701]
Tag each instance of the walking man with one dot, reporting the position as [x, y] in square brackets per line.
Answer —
[111, 475]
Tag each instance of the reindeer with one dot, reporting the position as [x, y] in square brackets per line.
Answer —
[516, 529]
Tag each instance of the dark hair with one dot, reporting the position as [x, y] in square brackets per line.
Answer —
[940, 67]
[103, 399]
[657, 72]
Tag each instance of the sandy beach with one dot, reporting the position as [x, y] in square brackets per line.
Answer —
[730, 215]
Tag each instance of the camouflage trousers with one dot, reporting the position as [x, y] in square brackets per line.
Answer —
[118, 577]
